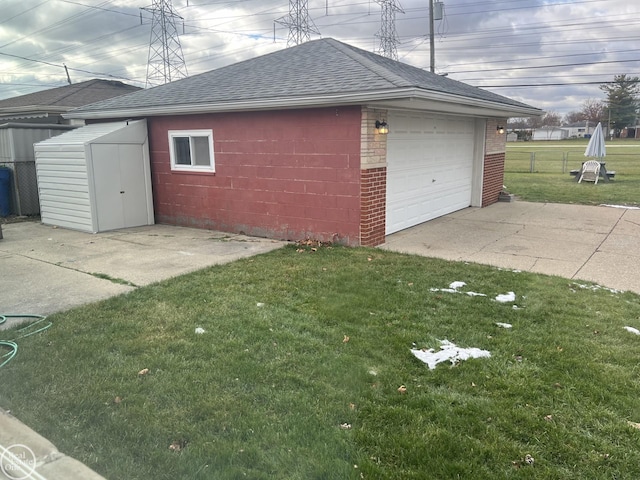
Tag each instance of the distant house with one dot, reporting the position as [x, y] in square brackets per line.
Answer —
[322, 140]
[47, 106]
[550, 133]
[27, 119]
[580, 129]
[631, 132]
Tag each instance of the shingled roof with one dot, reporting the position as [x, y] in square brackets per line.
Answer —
[315, 73]
[62, 99]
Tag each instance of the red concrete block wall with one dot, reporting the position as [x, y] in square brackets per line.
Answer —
[373, 188]
[290, 174]
[493, 178]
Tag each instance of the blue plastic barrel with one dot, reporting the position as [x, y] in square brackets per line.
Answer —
[5, 192]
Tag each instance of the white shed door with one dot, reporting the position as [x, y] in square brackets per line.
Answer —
[119, 182]
[429, 167]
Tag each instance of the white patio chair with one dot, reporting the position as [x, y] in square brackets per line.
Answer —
[590, 171]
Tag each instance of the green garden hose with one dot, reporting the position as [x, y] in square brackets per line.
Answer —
[37, 326]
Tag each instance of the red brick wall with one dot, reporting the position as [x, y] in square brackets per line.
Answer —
[289, 175]
[373, 190]
[493, 178]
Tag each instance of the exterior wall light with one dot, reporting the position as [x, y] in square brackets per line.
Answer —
[382, 127]
[500, 129]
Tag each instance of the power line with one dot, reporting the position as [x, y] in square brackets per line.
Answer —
[62, 66]
[564, 84]
[99, 8]
[546, 66]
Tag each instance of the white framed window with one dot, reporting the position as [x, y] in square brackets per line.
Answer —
[191, 150]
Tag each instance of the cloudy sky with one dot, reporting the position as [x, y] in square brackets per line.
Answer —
[551, 54]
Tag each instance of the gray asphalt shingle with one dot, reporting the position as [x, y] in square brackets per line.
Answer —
[70, 96]
[317, 68]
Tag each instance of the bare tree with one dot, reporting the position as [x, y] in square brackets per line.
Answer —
[551, 119]
[573, 117]
[594, 111]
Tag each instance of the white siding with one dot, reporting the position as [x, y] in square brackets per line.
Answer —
[63, 186]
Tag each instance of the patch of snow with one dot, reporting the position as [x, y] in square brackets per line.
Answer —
[620, 206]
[597, 287]
[504, 325]
[457, 285]
[516, 307]
[474, 294]
[632, 330]
[188, 254]
[200, 330]
[259, 304]
[448, 351]
[513, 270]
[506, 297]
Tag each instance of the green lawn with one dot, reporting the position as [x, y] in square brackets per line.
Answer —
[539, 172]
[297, 374]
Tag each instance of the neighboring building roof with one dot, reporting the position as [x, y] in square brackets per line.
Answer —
[580, 124]
[315, 73]
[63, 99]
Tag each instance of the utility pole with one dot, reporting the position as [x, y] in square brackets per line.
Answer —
[435, 13]
[67, 72]
[298, 22]
[432, 41]
[166, 61]
[388, 34]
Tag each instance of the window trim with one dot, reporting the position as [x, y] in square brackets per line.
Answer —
[191, 133]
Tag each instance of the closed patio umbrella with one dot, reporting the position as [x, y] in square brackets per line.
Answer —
[596, 147]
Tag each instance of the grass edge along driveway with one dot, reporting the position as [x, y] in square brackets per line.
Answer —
[290, 365]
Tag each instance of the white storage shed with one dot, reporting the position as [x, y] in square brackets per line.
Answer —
[96, 178]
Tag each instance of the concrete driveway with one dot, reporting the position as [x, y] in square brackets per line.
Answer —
[600, 244]
[44, 269]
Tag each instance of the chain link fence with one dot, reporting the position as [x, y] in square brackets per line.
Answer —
[24, 187]
[557, 160]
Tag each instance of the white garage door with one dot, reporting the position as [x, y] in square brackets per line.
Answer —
[429, 167]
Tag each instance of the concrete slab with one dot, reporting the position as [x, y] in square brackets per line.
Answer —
[619, 271]
[44, 270]
[33, 286]
[26, 455]
[596, 243]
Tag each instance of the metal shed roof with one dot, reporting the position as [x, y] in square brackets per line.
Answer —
[111, 132]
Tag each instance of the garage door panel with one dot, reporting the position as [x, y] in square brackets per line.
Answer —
[429, 167]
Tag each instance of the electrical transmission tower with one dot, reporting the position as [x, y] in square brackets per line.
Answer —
[387, 34]
[300, 25]
[166, 62]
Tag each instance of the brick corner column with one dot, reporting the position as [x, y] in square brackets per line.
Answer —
[494, 158]
[373, 179]
[493, 178]
[373, 199]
